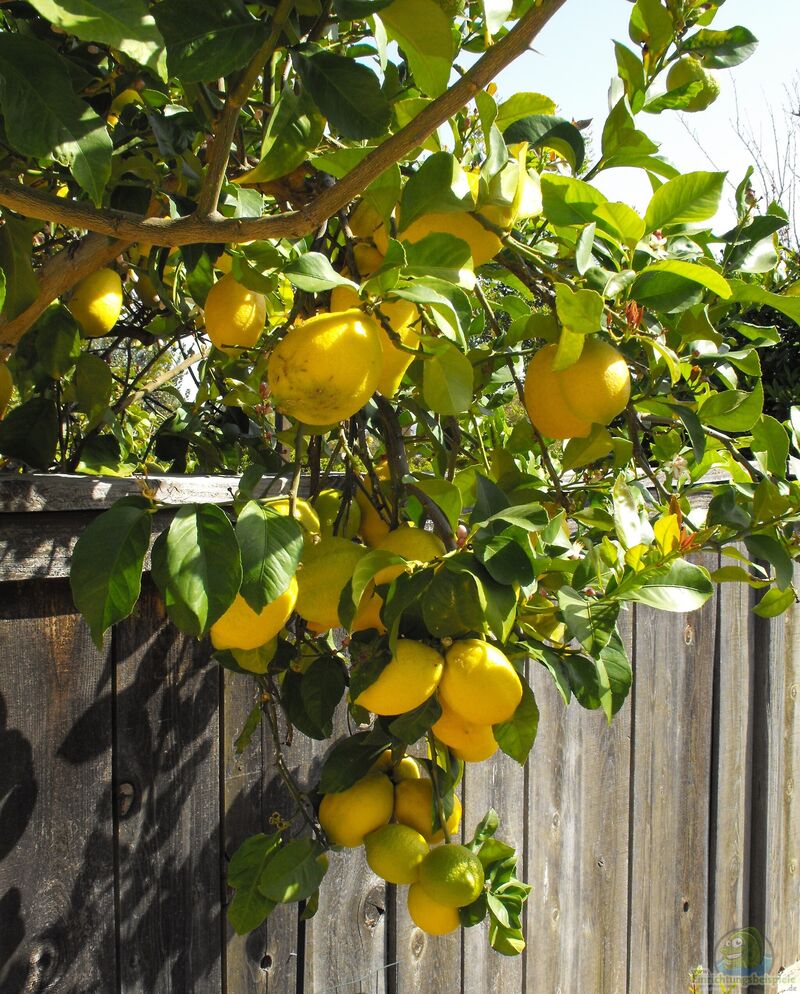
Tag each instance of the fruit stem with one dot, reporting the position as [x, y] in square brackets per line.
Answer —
[297, 469]
[436, 792]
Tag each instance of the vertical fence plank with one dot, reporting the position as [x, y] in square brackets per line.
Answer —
[577, 846]
[673, 705]
[775, 873]
[56, 836]
[731, 784]
[168, 764]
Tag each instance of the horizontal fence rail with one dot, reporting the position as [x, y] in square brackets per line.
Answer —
[121, 799]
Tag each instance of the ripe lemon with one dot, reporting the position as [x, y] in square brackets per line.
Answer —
[304, 513]
[484, 244]
[326, 368]
[348, 816]
[479, 683]
[6, 387]
[243, 628]
[598, 386]
[407, 681]
[367, 259]
[96, 302]
[544, 400]
[326, 569]
[472, 743]
[365, 222]
[394, 853]
[120, 102]
[429, 915]
[328, 507]
[374, 527]
[406, 769]
[690, 70]
[413, 806]
[451, 875]
[414, 544]
[234, 315]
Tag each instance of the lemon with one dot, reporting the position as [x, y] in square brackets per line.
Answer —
[479, 683]
[472, 743]
[484, 244]
[367, 259]
[120, 101]
[326, 368]
[304, 513]
[451, 875]
[429, 915]
[243, 628]
[6, 387]
[413, 806]
[598, 386]
[325, 571]
[373, 525]
[544, 400]
[394, 853]
[365, 222]
[406, 769]
[689, 70]
[351, 814]
[328, 505]
[407, 681]
[96, 302]
[414, 544]
[234, 315]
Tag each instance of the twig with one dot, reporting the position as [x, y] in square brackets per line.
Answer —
[297, 470]
[436, 792]
[640, 456]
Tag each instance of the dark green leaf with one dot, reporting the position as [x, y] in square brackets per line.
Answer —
[30, 432]
[588, 620]
[321, 689]
[271, 545]
[249, 729]
[351, 759]
[454, 604]
[724, 510]
[769, 549]
[358, 9]
[21, 285]
[106, 569]
[293, 872]
[543, 130]
[489, 500]
[721, 49]
[619, 674]
[680, 587]
[249, 908]
[505, 553]
[294, 129]
[347, 93]
[412, 726]
[517, 735]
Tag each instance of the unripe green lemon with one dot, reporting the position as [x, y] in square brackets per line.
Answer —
[451, 875]
[689, 70]
[96, 302]
[479, 683]
[349, 815]
[394, 853]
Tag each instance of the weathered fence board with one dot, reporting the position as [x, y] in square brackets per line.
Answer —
[122, 798]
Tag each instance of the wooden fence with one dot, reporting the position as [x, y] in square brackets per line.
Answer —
[121, 799]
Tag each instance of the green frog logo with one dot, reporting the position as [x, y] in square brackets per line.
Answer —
[744, 952]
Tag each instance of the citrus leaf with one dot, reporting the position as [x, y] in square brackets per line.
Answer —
[271, 545]
[249, 908]
[721, 49]
[347, 93]
[447, 380]
[775, 602]
[517, 735]
[293, 872]
[679, 587]
[423, 32]
[685, 199]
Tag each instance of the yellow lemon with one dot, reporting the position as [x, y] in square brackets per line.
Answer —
[413, 806]
[96, 302]
[429, 915]
[6, 387]
[243, 628]
[120, 101]
[484, 244]
[304, 513]
[374, 525]
[367, 259]
[472, 743]
[394, 853]
[234, 315]
[328, 507]
[407, 681]
[351, 814]
[325, 571]
[544, 399]
[479, 683]
[451, 875]
[598, 386]
[414, 544]
[365, 222]
[326, 368]
[407, 769]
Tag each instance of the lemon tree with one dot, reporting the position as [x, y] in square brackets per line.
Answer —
[471, 400]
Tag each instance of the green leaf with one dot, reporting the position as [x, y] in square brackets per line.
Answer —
[310, 698]
[410, 727]
[685, 199]
[580, 452]
[314, 273]
[770, 446]
[21, 285]
[93, 386]
[651, 25]
[618, 674]
[441, 256]
[122, 24]
[585, 681]
[423, 32]
[680, 587]
[721, 49]
[271, 545]
[357, 10]
[197, 567]
[293, 872]
[250, 727]
[351, 759]
[106, 569]
[295, 128]
[439, 185]
[620, 221]
[548, 131]
[208, 40]
[733, 410]
[580, 311]
[691, 271]
[631, 72]
[505, 553]
[769, 549]
[43, 117]
[517, 735]
[249, 908]
[30, 432]
[590, 621]
[447, 380]
[52, 346]
[347, 93]
[775, 602]
[445, 495]
[521, 105]
[621, 134]
[567, 201]
[751, 293]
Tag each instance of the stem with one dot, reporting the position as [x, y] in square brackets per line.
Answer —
[436, 792]
[294, 489]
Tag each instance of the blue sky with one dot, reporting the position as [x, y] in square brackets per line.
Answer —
[574, 62]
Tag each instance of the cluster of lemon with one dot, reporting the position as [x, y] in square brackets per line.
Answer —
[390, 813]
